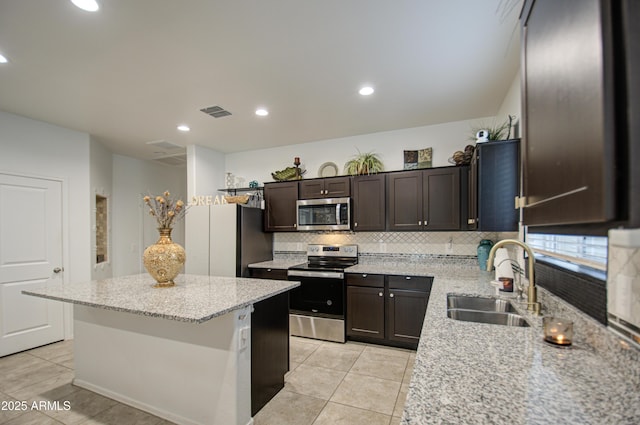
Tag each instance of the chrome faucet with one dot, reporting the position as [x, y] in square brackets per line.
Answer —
[532, 293]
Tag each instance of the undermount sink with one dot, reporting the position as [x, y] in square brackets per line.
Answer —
[483, 310]
[479, 303]
[491, 317]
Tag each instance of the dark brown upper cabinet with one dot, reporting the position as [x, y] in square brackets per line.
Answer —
[369, 207]
[280, 206]
[494, 183]
[331, 187]
[580, 67]
[424, 199]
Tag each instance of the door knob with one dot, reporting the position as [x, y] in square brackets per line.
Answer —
[58, 270]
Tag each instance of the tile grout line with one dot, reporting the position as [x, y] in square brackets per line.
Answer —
[336, 389]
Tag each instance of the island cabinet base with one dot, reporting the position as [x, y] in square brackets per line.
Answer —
[187, 373]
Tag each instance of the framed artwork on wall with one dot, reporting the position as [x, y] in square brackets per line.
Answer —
[415, 159]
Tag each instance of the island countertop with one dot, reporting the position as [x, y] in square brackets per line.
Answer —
[194, 298]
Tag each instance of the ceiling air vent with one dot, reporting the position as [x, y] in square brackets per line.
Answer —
[216, 111]
[163, 144]
[173, 160]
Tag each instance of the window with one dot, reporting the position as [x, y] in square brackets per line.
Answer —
[586, 250]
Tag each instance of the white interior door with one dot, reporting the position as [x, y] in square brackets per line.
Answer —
[30, 257]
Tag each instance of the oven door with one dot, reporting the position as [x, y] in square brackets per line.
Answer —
[323, 214]
[319, 294]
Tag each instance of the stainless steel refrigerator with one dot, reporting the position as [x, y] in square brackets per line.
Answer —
[222, 240]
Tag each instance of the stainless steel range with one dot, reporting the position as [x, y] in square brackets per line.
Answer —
[317, 306]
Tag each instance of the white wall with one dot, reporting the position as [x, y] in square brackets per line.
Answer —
[512, 105]
[445, 139]
[37, 149]
[101, 184]
[133, 228]
[205, 171]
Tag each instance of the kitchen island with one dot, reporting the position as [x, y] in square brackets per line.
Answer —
[181, 353]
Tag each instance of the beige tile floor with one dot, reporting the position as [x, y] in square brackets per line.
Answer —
[328, 383]
[341, 384]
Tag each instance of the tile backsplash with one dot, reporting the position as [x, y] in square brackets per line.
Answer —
[623, 283]
[410, 243]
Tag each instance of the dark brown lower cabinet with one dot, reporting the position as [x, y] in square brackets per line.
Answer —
[365, 312]
[262, 273]
[387, 309]
[405, 315]
[269, 347]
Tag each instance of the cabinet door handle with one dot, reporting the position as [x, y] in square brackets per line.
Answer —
[379, 294]
[408, 277]
[391, 295]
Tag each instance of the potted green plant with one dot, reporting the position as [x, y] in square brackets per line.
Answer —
[496, 131]
[364, 163]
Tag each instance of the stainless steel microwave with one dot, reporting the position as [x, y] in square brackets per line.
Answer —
[323, 214]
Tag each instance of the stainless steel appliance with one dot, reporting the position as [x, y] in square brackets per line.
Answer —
[323, 214]
[317, 306]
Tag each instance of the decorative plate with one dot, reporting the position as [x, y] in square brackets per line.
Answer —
[328, 169]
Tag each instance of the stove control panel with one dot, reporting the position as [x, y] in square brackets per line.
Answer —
[318, 250]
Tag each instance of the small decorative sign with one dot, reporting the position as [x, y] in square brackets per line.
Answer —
[204, 200]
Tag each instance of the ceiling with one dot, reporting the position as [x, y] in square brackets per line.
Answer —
[131, 72]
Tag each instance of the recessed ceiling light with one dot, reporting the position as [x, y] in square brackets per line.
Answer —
[366, 90]
[88, 5]
[3, 59]
[262, 112]
[183, 127]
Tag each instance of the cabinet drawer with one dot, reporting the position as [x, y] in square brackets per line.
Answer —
[275, 274]
[411, 283]
[365, 279]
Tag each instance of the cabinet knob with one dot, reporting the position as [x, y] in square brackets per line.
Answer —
[364, 275]
[268, 270]
[379, 294]
[408, 277]
[295, 225]
[420, 223]
[390, 295]
[355, 224]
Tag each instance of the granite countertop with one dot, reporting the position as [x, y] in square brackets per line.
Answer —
[279, 263]
[476, 373]
[194, 298]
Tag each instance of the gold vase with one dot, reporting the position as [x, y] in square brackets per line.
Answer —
[164, 259]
